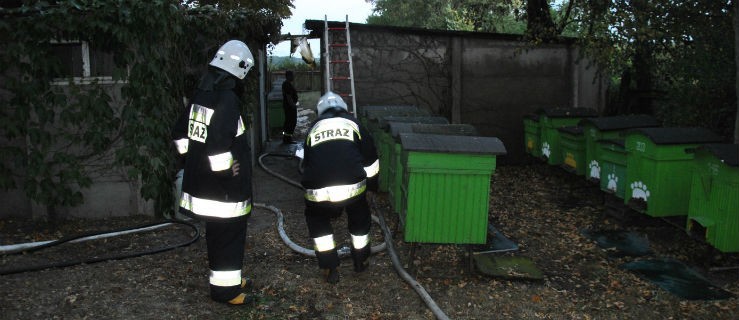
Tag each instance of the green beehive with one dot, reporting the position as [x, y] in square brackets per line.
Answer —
[605, 128]
[532, 134]
[446, 187]
[552, 119]
[395, 168]
[385, 142]
[372, 121]
[714, 196]
[572, 145]
[372, 117]
[658, 170]
[612, 166]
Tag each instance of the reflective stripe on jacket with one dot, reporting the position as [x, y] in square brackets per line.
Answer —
[336, 193]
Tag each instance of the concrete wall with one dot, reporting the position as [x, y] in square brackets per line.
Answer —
[112, 194]
[487, 80]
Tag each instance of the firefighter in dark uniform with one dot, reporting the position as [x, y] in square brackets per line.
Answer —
[216, 187]
[340, 163]
[290, 107]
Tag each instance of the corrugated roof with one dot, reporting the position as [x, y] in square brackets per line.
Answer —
[316, 27]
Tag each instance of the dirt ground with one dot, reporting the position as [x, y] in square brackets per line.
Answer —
[539, 207]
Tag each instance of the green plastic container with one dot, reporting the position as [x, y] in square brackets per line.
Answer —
[275, 113]
[446, 187]
[395, 168]
[714, 196]
[532, 135]
[385, 142]
[612, 161]
[604, 128]
[658, 170]
[552, 119]
[572, 144]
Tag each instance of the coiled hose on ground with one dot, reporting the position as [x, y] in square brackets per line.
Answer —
[36, 246]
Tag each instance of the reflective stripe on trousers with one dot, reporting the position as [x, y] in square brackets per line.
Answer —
[324, 243]
[358, 242]
[225, 278]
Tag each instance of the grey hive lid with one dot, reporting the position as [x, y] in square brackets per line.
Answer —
[363, 110]
[618, 142]
[622, 122]
[678, 135]
[574, 130]
[569, 112]
[448, 129]
[451, 144]
[396, 128]
[378, 114]
[384, 121]
[726, 152]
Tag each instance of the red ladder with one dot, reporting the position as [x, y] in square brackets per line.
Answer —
[339, 69]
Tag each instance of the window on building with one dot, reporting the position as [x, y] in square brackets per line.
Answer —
[82, 63]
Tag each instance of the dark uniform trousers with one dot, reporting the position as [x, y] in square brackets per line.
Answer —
[318, 217]
[226, 240]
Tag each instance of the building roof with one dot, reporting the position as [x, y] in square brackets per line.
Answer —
[316, 27]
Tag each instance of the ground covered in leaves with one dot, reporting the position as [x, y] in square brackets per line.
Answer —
[541, 208]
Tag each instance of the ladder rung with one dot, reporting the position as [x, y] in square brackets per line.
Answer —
[335, 28]
[340, 78]
[344, 94]
[340, 61]
[338, 45]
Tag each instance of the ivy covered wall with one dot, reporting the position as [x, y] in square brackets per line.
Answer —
[62, 133]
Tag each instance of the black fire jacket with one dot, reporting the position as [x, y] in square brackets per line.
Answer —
[339, 151]
[210, 134]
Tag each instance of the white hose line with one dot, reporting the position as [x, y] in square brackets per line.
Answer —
[407, 277]
[279, 176]
[23, 246]
[302, 250]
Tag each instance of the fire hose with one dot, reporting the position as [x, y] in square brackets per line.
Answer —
[36, 246]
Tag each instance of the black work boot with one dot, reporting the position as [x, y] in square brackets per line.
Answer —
[361, 258]
[331, 275]
[328, 261]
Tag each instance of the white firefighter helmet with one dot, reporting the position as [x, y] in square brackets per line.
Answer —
[234, 57]
[330, 100]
